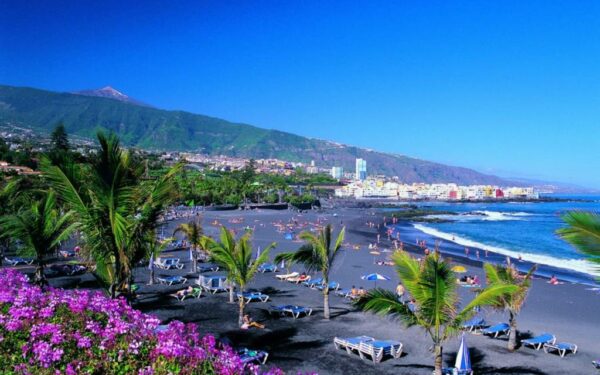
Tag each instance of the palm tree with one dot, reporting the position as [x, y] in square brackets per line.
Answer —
[193, 233]
[317, 254]
[583, 232]
[432, 285]
[41, 228]
[511, 302]
[116, 209]
[236, 258]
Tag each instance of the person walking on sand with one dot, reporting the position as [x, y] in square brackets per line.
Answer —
[400, 290]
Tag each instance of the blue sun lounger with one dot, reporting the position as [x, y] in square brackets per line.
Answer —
[294, 311]
[351, 343]
[596, 364]
[332, 286]
[267, 267]
[497, 330]
[208, 269]
[313, 283]
[561, 348]
[170, 280]
[15, 261]
[538, 341]
[474, 324]
[253, 296]
[258, 357]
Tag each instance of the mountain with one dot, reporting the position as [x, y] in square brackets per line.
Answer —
[111, 93]
[157, 129]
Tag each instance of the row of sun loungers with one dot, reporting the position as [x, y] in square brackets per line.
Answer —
[369, 348]
[546, 341]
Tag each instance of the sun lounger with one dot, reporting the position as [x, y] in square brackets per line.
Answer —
[561, 348]
[474, 324]
[351, 343]
[497, 330]
[170, 280]
[208, 269]
[253, 296]
[313, 283]
[267, 267]
[258, 357]
[538, 341]
[168, 263]
[294, 311]
[15, 261]
[596, 364]
[378, 349]
[332, 286]
[287, 276]
[213, 284]
[195, 293]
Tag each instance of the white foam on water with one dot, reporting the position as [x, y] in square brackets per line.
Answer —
[579, 265]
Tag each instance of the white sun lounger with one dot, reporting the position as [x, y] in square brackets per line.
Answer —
[287, 276]
[378, 349]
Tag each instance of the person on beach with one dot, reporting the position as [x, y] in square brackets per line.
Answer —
[477, 254]
[361, 291]
[553, 280]
[247, 323]
[183, 292]
[400, 290]
[354, 291]
[467, 251]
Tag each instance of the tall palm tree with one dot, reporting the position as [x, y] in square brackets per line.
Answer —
[432, 285]
[583, 232]
[193, 233]
[236, 258]
[116, 209]
[317, 254]
[512, 302]
[41, 228]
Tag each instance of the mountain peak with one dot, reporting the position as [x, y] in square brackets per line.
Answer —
[111, 93]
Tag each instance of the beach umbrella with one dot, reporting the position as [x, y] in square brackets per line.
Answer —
[463, 359]
[282, 264]
[459, 269]
[258, 253]
[151, 263]
[375, 277]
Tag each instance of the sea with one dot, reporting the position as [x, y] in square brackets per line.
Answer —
[516, 229]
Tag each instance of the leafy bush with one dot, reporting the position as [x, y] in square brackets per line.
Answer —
[83, 332]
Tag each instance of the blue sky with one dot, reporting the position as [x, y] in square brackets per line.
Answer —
[510, 88]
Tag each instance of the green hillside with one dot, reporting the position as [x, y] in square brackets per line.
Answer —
[153, 128]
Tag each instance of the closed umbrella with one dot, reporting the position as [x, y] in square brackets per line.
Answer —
[375, 277]
[151, 263]
[463, 359]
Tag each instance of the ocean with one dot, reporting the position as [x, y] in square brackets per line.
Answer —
[514, 229]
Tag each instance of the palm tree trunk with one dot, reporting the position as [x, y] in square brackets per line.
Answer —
[438, 359]
[512, 333]
[241, 316]
[194, 259]
[40, 277]
[231, 299]
[326, 301]
[151, 275]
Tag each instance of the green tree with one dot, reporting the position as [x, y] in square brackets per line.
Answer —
[583, 232]
[60, 139]
[236, 258]
[432, 285]
[499, 275]
[317, 254]
[118, 212]
[193, 233]
[41, 228]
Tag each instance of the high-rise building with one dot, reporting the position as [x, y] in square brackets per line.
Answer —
[337, 172]
[361, 169]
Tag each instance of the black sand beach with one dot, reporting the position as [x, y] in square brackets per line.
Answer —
[569, 311]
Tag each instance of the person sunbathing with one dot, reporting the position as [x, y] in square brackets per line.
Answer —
[303, 277]
[247, 323]
[183, 292]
